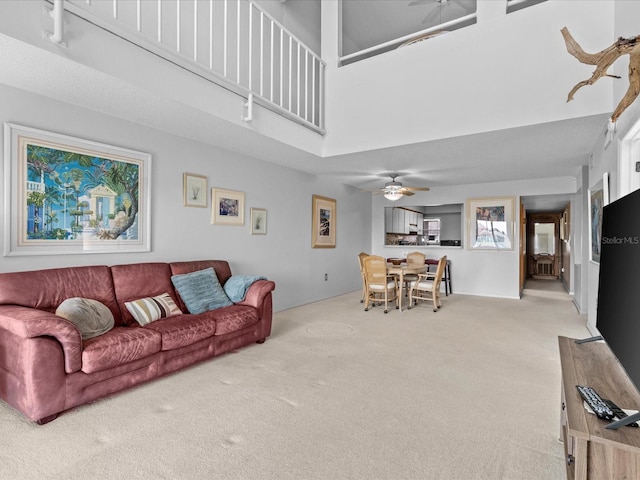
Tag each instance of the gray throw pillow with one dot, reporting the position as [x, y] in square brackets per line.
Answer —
[92, 317]
[201, 291]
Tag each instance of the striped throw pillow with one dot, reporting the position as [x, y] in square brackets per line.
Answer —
[150, 309]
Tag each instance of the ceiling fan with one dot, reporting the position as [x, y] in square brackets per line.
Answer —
[441, 11]
[394, 190]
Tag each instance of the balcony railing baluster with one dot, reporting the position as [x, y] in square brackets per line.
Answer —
[285, 89]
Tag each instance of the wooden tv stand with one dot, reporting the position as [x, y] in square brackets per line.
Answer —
[592, 451]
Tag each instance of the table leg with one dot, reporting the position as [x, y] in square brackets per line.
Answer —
[447, 279]
[399, 292]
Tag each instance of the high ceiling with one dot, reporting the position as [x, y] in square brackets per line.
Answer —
[540, 151]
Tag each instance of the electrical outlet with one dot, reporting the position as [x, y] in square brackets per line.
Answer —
[326, 277]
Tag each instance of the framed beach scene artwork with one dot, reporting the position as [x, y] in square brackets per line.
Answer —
[323, 230]
[490, 223]
[227, 207]
[68, 195]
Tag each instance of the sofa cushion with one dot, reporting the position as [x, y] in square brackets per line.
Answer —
[184, 330]
[119, 346]
[234, 318]
[223, 271]
[47, 289]
[201, 291]
[150, 309]
[92, 317]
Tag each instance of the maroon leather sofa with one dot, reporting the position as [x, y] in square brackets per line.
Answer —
[46, 367]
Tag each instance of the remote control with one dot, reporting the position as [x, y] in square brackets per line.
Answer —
[596, 404]
[618, 412]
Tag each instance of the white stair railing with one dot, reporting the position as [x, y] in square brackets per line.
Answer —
[234, 43]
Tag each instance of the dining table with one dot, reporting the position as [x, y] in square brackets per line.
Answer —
[400, 270]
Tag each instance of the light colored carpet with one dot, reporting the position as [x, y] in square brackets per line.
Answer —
[545, 288]
[470, 392]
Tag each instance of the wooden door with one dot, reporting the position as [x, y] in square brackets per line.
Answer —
[523, 246]
[548, 261]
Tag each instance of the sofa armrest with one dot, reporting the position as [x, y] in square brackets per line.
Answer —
[257, 293]
[28, 322]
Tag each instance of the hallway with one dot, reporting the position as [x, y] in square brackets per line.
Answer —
[545, 288]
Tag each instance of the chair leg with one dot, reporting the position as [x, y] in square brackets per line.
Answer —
[386, 299]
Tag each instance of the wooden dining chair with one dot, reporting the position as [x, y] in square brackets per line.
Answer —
[361, 257]
[427, 286]
[413, 258]
[380, 286]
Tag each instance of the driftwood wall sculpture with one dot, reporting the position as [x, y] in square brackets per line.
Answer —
[603, 60]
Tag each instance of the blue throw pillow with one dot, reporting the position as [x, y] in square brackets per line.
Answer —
[236, 286]
[201, 291]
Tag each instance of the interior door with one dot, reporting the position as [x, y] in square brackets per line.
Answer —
[523, 246]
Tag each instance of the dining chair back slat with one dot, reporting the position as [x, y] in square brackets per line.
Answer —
[413, 258]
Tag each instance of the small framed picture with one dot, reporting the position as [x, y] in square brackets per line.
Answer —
[258, 221]
[194, 190]
[596, 204]
[323, 229]
[227, 207]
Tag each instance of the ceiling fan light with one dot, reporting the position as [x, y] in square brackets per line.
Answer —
[392, 195]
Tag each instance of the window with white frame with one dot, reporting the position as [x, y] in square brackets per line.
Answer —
[432, 230]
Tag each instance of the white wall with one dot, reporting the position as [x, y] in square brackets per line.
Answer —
[444, 87]
[579, 239]
[284, 254]
[606, 158]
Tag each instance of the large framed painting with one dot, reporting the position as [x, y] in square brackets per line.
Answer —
[227, 207]
[323, 230]
[66, 195]
[490, 223]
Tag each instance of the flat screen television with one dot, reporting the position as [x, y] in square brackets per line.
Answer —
[618, 310]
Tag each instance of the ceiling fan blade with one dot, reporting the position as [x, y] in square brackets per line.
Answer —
[452, 7]
[432, 16]
[418, 189]
[405, 192]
